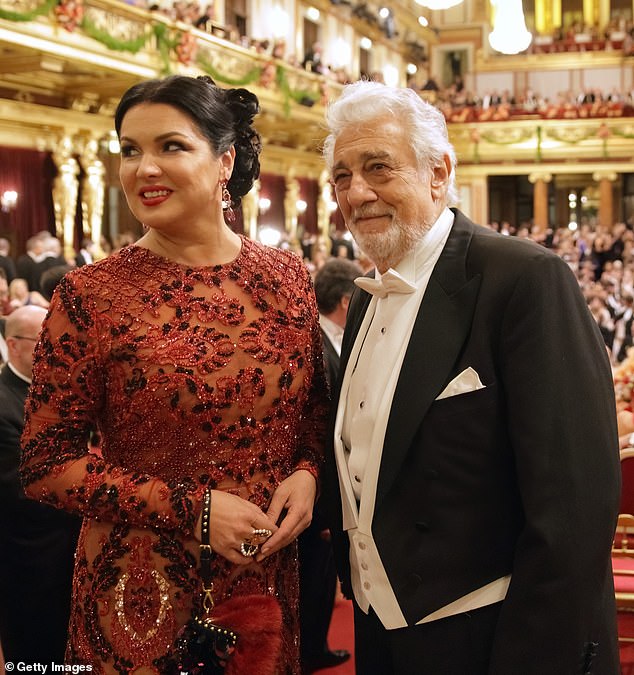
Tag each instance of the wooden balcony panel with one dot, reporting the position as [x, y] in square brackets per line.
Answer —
[569, 60]
[543, 141]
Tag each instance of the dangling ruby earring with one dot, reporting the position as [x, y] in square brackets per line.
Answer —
[230, 216]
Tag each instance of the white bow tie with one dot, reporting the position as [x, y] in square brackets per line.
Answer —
[390, 282]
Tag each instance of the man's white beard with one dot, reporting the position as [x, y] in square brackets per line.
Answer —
[386, 249]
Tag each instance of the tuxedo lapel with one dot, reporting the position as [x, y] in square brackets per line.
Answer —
[356, 313]
[440, 330]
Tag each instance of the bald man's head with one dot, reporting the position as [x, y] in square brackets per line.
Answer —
[21, 332]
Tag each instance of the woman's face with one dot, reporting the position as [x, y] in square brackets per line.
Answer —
[170, 176]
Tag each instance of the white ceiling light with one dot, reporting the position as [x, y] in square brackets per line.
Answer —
[509, 35]
[438, 4]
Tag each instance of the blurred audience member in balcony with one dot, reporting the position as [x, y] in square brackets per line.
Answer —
[313, 58]
[430, 85]
[204, 21]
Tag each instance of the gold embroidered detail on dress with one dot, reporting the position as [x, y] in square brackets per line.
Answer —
[164, 606]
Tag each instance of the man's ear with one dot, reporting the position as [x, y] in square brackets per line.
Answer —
[440, 178]
[344, 302]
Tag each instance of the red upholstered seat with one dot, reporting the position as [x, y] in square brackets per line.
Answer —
[627, 477]
[623, 568]
[623, 557]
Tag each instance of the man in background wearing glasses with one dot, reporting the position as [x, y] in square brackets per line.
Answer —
[37, 541]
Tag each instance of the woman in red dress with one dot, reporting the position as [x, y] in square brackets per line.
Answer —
[195, 355]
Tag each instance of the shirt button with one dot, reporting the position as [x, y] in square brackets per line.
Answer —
[362, 546]
[357, 479]
[364, 566]
[366, 585]
[383, 330]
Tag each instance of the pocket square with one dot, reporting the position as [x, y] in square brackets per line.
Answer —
[467, 381]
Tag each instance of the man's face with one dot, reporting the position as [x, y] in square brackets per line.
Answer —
[21, 338]
[388, 203]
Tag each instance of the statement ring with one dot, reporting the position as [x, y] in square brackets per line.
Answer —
[248, 549]
[262, 533]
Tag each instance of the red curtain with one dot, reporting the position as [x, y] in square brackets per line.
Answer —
[274, 188]
[30, 173]
[309, 192]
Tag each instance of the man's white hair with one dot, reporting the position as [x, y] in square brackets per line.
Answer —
[425, 124]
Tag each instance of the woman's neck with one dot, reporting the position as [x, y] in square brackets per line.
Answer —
[216, 248]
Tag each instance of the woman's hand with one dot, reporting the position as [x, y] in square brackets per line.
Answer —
[231, 522]
[295, 496]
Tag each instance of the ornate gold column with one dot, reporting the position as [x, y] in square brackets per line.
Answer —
[65, 190]
[606, 208]
[555, 17]
[290, 207]
[604, 12]
[250, 211]
[590, 12]
[540, 198]
[544, 16]
[93, 190]
[323, 209]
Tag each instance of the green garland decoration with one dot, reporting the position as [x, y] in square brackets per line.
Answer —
[491, 138]
[622, 134]
[570, 141]
[252, 76]
[113, 43]
[538, 151]
[164, 45]
[298, 95]
[45, 8]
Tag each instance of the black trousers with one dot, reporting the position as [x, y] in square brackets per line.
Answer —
[457, 645]
[317, 589]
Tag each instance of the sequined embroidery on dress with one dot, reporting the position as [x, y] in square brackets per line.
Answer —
[192, 377]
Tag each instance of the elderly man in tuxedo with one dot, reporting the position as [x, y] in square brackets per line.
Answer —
[474, 477]
[37, 541]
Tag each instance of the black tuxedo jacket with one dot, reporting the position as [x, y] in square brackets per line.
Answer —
[521, 477]
[331, 360]
[37, 543]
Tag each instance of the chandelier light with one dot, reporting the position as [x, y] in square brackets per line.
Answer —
[9, 200]
[509, 35]
[438, 4]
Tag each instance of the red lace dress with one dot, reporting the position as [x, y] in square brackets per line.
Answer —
[192, 377]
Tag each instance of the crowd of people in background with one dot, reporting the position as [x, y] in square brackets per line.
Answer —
[602, 258]
[457, 103]
[30, 278]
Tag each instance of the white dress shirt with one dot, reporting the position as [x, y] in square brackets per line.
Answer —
[362, 416]
[333, 331]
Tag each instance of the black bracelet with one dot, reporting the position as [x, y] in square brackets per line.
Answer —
[205, 553]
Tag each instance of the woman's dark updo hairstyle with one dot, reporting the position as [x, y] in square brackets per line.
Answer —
[223, 116]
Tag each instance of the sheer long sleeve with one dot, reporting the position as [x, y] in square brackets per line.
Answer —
[67, 396]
